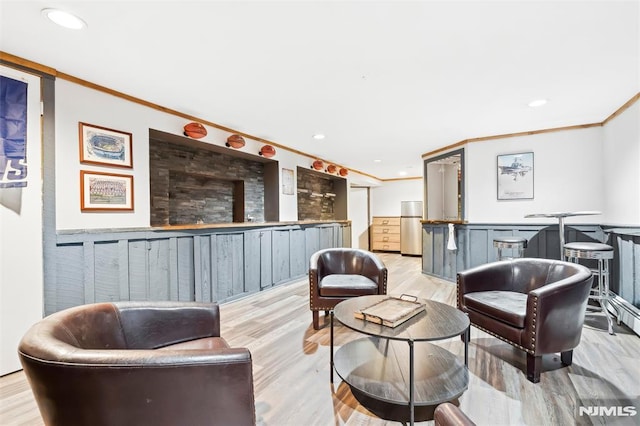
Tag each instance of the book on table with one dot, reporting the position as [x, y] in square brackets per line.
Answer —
[391, 311]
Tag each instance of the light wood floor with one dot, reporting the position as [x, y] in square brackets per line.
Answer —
[291, 366]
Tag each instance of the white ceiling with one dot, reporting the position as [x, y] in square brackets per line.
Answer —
[384, 80]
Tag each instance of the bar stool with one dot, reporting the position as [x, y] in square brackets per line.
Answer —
[501, 243]
[602, 253]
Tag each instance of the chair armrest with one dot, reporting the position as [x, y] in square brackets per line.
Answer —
[376, 271]
[556, 312]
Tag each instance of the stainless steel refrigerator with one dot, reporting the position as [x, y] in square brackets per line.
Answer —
[411, 228]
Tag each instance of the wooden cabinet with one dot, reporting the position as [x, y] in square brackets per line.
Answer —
[385, 233]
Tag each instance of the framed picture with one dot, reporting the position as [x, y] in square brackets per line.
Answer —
[105, 191]
[515, 176]
[287, 181]
[99, 145]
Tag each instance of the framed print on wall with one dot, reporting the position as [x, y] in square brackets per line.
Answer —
[105, 191]
[515, 176]
[287, 181]
[99, 145]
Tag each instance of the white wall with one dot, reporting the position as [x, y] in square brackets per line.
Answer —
[76, 103]
[359, 216]
[569, 170]
[568, 176]
[621, 164]
[386, 198]
[21, 263]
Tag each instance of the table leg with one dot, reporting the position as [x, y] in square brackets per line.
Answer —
[561, 231]
[411, 380]
[331, 346]
[467, 336]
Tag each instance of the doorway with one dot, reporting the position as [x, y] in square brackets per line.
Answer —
[359, 209]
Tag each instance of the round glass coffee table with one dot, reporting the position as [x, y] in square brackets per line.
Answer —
[388, 366]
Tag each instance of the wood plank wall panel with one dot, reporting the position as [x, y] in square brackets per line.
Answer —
[237, 259]
[159, 269]
[312, 243]
[266, 265]
[627, 252]
[229, 269]
[89, 261]
[138, 267]
[252, 268]
[346, 236]
[123, 270]
[327, 239]
[202, 265]
[69, 290]
[478, 241]
[297, 253]
[427, 248]
[625, 276]
[106, 286]
[173, 272]
[338, 237]
[475, 244]
[281, 255]
[183, 262]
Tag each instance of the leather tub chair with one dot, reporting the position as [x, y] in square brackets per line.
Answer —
[137, 363]
[337, 274]
[536, 305]
[447, 414]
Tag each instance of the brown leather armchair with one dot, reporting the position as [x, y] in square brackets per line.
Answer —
[447, 414]
[137, 363]
[536, 305]
[337, 274]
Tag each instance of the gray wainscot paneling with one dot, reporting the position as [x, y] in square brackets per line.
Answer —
[474, 244]
[625, 274]
[205, 264]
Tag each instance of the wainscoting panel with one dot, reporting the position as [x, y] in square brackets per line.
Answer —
[625, 274]
[474, 244]
[200, 264]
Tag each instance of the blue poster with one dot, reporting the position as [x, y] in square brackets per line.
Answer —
[13, 133]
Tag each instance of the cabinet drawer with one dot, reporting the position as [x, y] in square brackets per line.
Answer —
[386, 246]
[386, 238]
[386, 220]
[378, 230]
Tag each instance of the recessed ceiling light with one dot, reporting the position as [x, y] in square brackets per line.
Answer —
[318, 136]
[402, 173]
[377, 161]
[64, 19]
[537, 103]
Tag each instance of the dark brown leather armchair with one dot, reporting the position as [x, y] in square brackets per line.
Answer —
[447, 414]
[337, 274]
[537, 305]
[137, 363]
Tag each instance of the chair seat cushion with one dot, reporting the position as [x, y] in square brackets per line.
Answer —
[507, 306]
[210, 343]
[346, 285]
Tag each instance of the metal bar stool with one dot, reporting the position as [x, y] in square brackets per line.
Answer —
[602, 253]
[501, 243]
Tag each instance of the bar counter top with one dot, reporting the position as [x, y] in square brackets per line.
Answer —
[247, 224]
[203, 226]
